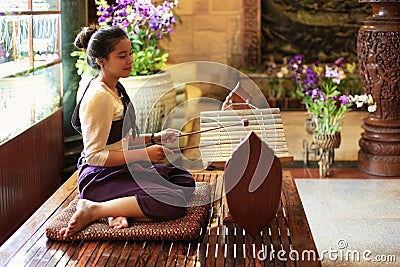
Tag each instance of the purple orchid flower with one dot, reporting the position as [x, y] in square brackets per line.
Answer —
[317, 95]
[340, 62]
[344, 99]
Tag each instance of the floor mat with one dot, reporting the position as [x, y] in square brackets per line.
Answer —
[188, 227]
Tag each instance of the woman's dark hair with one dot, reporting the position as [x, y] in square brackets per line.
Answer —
[98, 42]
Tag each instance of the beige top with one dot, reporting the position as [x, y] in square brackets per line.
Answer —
[99, 107]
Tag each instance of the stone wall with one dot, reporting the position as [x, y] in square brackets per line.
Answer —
[225, 31]
[319, 30]
[210, 31]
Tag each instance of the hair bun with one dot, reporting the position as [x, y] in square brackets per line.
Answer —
[82, 39]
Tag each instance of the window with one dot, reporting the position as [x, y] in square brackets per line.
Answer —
[30, 63]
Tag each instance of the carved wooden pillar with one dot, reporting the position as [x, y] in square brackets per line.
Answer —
[378, 47]
[251, 34]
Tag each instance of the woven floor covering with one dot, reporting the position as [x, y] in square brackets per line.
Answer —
[187, 227]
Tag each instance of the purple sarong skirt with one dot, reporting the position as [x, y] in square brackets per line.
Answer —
[162, 192]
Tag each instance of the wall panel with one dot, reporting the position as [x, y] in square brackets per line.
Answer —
[30, 171]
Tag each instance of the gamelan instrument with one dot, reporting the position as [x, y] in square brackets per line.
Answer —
[251, 157]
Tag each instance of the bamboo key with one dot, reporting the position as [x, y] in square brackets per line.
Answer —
[244, 122]
[200, 146]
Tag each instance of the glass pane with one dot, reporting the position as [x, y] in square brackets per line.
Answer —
[23, 5]
[14, 5]
[46, 38]
[48, 91]
[25, 100]
[45, 5]
[14, 44]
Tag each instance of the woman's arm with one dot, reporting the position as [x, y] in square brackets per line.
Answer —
[163, 137]
[96, 114]
[154, 154]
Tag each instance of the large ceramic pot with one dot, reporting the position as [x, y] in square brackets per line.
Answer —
[153, 97]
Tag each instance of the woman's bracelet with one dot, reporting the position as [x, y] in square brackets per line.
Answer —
[153, 142]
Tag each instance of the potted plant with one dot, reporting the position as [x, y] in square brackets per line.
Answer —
[326, 104]
[146, 22]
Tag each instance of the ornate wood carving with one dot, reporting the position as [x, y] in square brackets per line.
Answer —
[378, 47]
[251, 34]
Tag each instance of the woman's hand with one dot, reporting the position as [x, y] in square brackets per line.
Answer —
[158, 153]
[167, 136]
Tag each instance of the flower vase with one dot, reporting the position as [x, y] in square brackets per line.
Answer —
[153, 97]
[327, 143]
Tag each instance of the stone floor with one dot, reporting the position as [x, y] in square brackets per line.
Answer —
[355, 222]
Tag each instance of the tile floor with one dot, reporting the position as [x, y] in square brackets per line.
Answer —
[354, 222]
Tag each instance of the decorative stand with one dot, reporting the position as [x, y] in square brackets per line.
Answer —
[327, 143]
[379, 62]
[314, 148]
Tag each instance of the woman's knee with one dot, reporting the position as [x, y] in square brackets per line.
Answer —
[160, 209]
[184, 181]
[170, 212]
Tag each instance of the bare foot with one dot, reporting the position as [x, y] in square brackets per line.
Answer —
[118, 222]
[79, 219]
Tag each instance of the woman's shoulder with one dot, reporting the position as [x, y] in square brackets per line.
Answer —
[97, 88]
[96, 93]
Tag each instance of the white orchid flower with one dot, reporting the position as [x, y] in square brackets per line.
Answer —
[370, 100]
[285, 70]
[372, 108]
